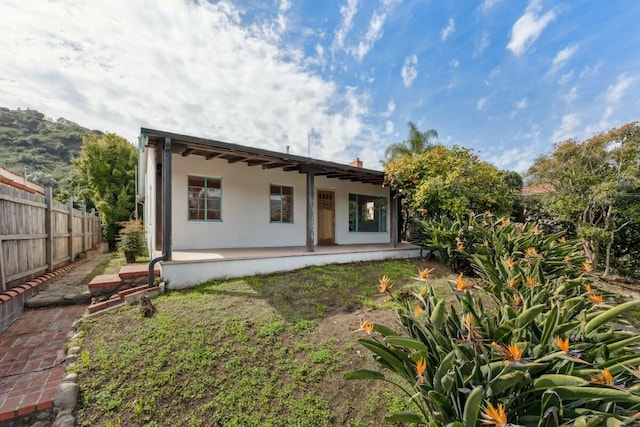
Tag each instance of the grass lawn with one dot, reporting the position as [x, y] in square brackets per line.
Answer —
[264, 350]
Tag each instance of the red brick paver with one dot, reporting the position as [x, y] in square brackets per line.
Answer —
[31, 359]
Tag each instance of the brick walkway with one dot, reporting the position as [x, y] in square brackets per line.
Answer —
[31, 363]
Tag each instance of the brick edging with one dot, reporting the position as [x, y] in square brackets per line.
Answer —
[12, 300]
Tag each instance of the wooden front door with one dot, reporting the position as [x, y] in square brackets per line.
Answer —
[326, 218]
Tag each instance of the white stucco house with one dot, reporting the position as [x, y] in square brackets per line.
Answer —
[216, 210]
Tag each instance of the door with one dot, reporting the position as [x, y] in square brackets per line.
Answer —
[326, 218]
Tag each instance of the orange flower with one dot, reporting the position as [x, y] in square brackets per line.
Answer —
[567, 259]
[421, 366]
[512, 282]
[596, 299]
[385, 285]
[468, 320]
[535, 230]
[367, 327]
[531, 282]
[531, 252]
[494, 416]
[462, 284]
[423, 290]
[587, 288]
[510, 263]
[586, 267]
[563, 344]
[604, 378]
[510, 352]
[505, 221]
[425, 272]
[459, 246]
[417, 310]
[517, 301]
[486, 242]
[562, 239]
[487, 212]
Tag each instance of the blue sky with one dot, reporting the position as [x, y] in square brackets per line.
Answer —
[506, 78]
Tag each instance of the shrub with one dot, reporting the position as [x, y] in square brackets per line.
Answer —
[131, 240]
[543, 351]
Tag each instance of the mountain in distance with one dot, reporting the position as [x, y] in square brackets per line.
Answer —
[39, 148]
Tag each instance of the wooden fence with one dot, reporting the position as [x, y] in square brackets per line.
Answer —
[39, 234]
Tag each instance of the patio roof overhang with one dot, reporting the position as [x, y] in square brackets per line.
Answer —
[233, 153]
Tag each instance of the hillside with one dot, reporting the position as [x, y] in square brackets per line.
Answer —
[43, 146]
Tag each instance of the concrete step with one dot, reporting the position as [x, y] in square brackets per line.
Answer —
[104, 284]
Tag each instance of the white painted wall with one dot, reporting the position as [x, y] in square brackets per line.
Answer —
[245, 206]
[342, 188]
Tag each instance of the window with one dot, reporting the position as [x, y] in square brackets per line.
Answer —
[367, 213]
[281, 203]
[205, 195]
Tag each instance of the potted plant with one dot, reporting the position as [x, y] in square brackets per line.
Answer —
[131, 240]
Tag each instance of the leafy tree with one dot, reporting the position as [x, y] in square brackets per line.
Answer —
[105, 171]
[416, 143]
[450, 181]
[594, 181]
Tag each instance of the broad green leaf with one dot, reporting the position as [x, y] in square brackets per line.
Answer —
[472, 407]
[603, 318]
[623, 343]
[437, 317]
[596, 393]
[549, 326]
[364, 374]
[455, 424]
[445, 365]
[551, 381]
[383, 330]
[392, 360]
[404, 417]
[406, 342]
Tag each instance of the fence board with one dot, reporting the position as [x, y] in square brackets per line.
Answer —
[25, 235]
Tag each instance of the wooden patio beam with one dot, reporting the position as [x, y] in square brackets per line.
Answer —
[310, 210]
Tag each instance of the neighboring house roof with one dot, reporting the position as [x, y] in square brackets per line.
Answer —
[16, 181]
[533, 190]
[233, 153]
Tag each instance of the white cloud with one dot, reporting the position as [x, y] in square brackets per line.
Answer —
[528, 27]
[603, 124]
[374, 32]
[567, 129]
[481, 103]
[520, 105]
[566, 78]
[481, 45]
[448, 30]
[488, 4]
[409, 70]
[591, 71]
[185, 67]
[516, 159]
[391, 107]
[562, 57]
[616, 91]
[495, 72]
[348, 11]
[388, 126]
[571, 96]
[454, 63]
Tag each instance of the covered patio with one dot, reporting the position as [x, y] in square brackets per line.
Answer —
[187, 267]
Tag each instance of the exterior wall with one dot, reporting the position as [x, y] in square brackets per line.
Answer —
[245, 206]
[342, 188]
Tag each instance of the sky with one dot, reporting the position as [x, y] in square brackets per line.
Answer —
[334, 79]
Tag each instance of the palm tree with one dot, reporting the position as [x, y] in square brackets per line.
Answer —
[416, 143]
